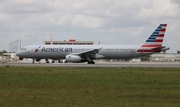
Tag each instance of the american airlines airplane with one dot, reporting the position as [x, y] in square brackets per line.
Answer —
[88, 53]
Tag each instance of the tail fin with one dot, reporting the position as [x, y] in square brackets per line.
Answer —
[154, 42]
[156, 38]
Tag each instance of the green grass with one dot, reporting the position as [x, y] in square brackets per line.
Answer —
[89, 87]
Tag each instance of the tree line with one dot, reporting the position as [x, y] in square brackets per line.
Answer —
[2, 52]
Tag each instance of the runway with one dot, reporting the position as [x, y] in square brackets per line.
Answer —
[98, 64]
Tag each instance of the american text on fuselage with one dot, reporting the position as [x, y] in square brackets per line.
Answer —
[56, 49]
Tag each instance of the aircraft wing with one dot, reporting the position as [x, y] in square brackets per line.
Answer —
[90, 53]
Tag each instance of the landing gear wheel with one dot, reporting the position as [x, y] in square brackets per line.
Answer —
[91, 62]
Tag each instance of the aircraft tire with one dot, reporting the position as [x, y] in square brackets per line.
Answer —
[91, 62]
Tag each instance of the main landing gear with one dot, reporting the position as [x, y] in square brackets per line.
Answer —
[91, 62]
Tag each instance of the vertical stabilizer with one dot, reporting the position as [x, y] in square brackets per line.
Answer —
[156, 38]
[154, 42]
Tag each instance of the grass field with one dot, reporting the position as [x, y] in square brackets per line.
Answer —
[89, 87]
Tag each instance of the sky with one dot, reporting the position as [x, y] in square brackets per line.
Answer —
[117, 22]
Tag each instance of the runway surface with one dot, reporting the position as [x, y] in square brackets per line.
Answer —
[98, 64]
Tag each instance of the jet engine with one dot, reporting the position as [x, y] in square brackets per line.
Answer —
[73, 58]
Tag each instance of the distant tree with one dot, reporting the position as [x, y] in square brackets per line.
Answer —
[2, 52]
[145, 58]
[178, 51]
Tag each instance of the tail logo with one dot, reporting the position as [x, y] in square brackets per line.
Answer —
[155, 40]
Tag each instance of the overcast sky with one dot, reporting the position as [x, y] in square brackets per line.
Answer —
[110, 21]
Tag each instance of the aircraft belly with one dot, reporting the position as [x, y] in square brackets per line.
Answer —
[48, 55]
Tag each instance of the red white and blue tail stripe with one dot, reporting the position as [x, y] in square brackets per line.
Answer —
[154, 42]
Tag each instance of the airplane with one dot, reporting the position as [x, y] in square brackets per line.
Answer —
[89, 53]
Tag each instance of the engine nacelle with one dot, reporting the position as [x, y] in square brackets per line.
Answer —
[73, 58]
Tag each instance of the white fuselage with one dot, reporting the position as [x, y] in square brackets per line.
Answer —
[60, 51]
